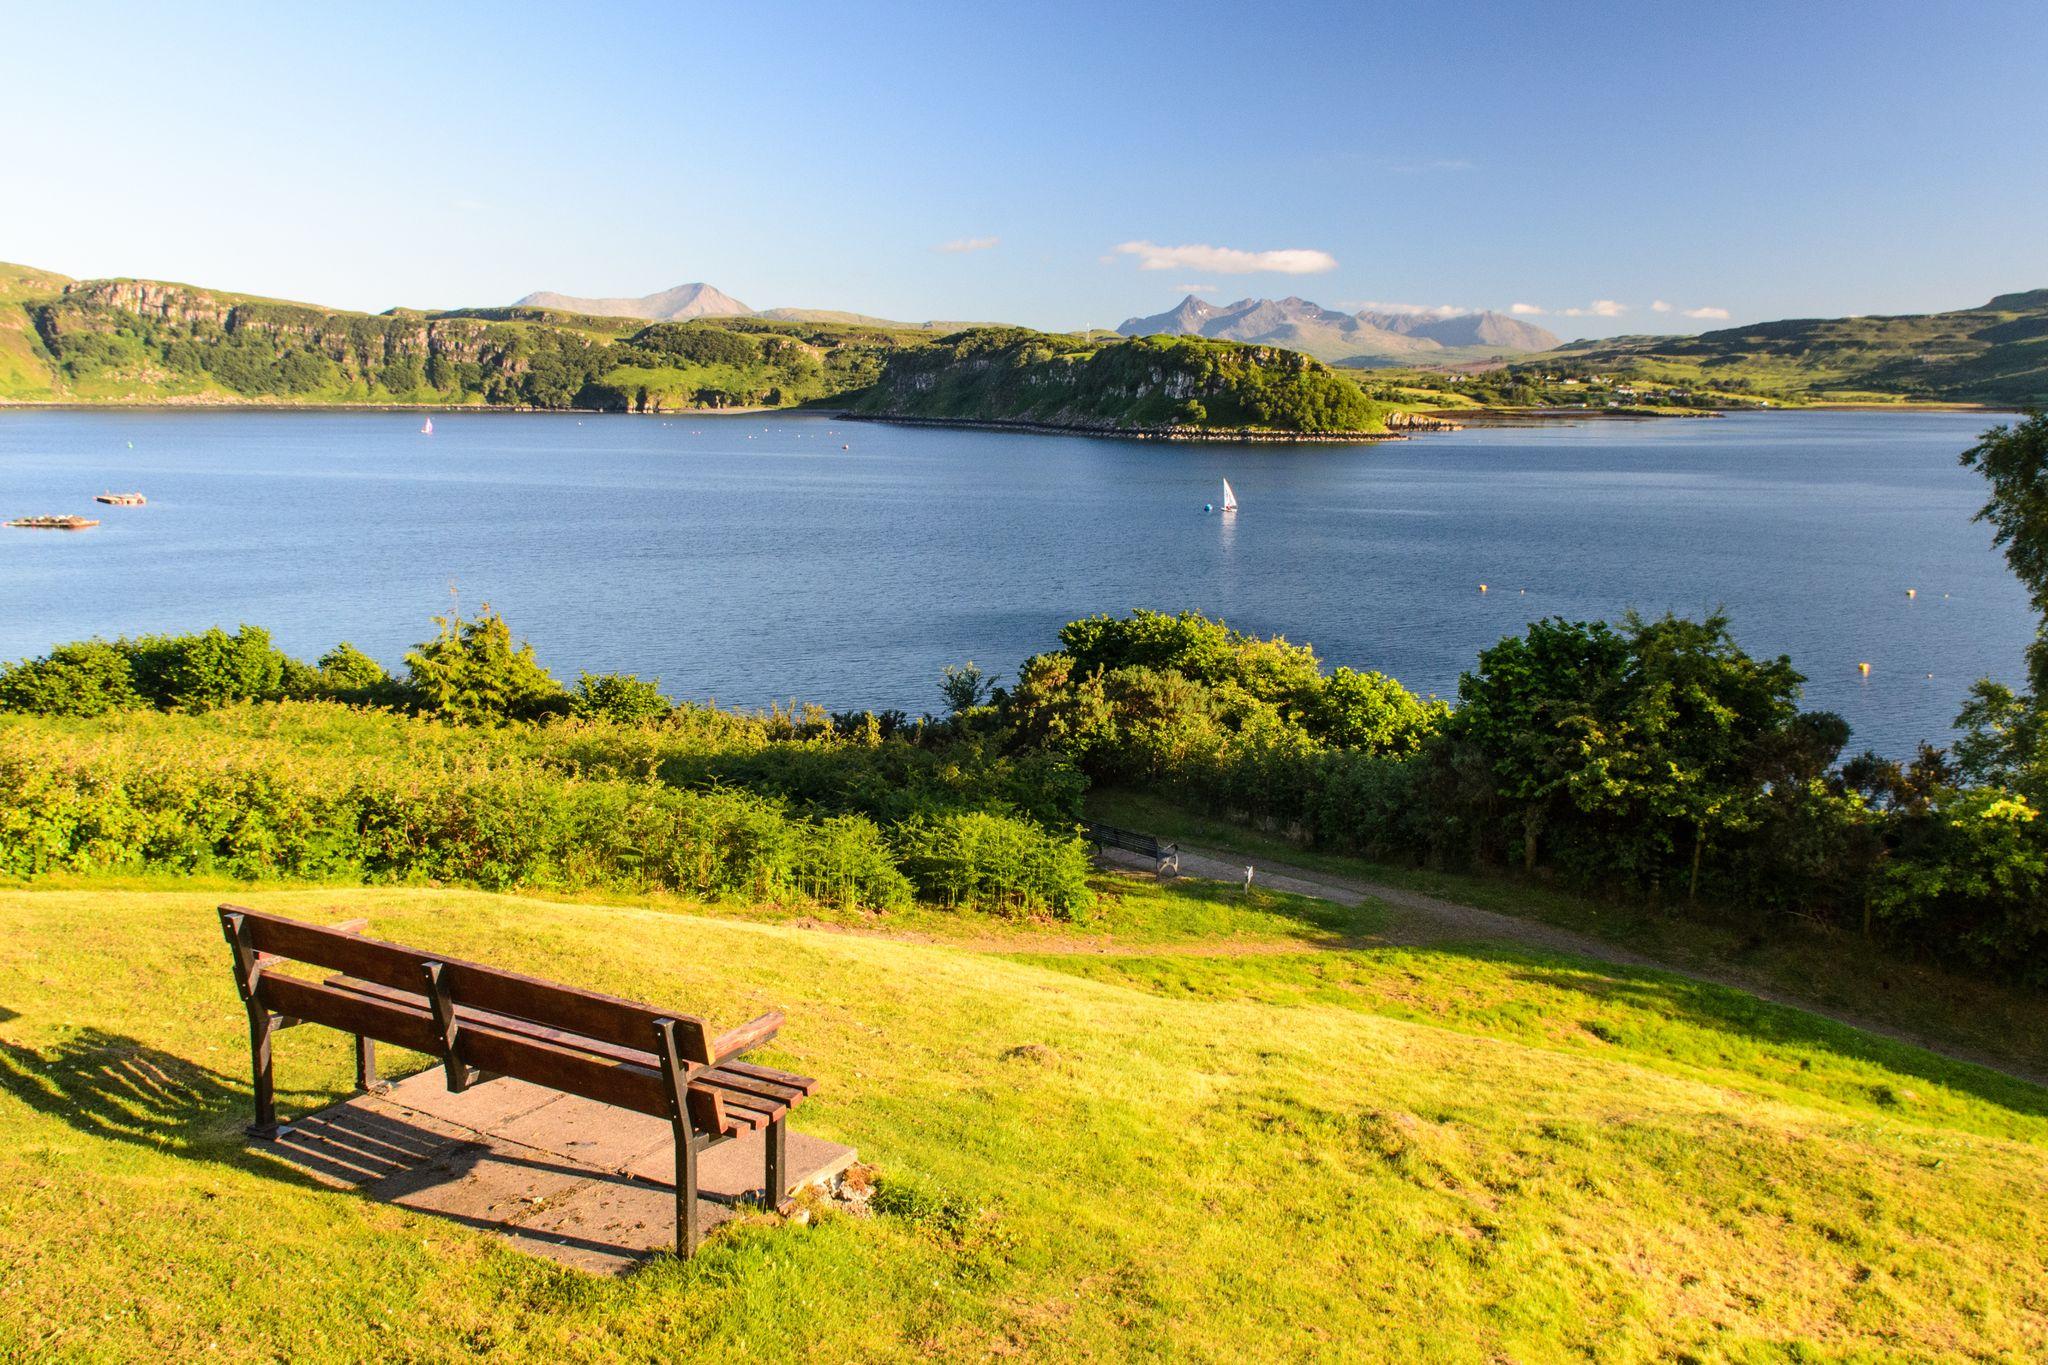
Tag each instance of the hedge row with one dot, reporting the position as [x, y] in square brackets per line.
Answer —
[179, 803]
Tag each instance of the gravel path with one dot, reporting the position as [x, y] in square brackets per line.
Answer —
[1419, 920]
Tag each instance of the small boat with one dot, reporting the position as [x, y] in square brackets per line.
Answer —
[1229, 498]
[53, 523]
[427, 428]
[120, 499]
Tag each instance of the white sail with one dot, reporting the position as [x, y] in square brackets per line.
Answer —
[428, 429]
[1229, 498]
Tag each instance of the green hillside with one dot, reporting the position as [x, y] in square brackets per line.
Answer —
[147, 341]
[1996, 354]
[1010, 374]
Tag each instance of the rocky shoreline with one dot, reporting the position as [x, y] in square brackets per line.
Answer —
[1196, 435]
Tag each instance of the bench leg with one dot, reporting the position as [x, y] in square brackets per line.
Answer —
[366, 1065]
[775, 1191]
[686, 1192]
[261, 1027]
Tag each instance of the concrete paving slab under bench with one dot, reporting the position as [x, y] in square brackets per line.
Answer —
[579, 1182]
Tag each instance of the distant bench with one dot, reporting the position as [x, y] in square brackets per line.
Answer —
[483, 1023]
[1165, 857]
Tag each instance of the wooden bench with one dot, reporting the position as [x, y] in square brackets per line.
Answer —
[1165, 856]
[483, 1022]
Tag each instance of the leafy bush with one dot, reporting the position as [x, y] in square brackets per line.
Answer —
[618, 697]
[995, 863]
[90, 678]
[209, 669]
[1974, 879]
[345, 673]
[184, 800]
[471, 672]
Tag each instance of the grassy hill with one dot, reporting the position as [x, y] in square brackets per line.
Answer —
[147, 341]
[1199, 1129]
[1995, 354]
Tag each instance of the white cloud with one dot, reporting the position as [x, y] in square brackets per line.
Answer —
[1525, 310]
[1193, 288]
[1224, 260]
[1660, 307]
[961, 245]
[1419, 310]
[1598, 308]
[1719, 313]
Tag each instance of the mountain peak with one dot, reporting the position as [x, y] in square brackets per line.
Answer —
[1298, 324]
[698, 300]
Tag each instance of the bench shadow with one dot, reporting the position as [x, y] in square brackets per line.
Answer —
[108, 1085]
[1737, 1014]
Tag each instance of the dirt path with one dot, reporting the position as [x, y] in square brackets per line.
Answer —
[1420, 920]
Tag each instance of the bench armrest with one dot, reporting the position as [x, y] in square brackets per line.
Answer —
[745, 1038]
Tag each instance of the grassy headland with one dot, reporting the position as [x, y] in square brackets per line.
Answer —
[1422, 1154]
[1186, 385]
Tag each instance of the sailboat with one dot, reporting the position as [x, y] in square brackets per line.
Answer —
[428, 428]
[1229, 498]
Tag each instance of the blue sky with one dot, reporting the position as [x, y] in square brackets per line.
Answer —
[1763, 160]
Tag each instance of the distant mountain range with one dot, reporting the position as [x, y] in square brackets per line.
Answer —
[152, 341]
[708, 301]
[670, 305]
[1399, 338]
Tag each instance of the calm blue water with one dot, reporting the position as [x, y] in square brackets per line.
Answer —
[749, 559]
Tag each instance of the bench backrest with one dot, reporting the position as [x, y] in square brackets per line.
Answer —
[623, 1067]
[606, 1018]
[1109, 836]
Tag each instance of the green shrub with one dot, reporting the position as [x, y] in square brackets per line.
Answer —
[1973, 880]
[845, 860]
[209, 669]
[472, 673]
[995, 863]
[89, 678]
[620, 697]
[345, 673]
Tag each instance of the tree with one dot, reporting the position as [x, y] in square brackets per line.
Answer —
[1977, 884]
[1631, 744]
[2015, 462]
[1537, 709]
[472, 672]
[966, 687]
[1373, 712]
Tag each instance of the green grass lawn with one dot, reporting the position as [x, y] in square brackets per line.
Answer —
[1193, 1129]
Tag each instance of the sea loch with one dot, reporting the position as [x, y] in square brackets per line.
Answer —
[752, 559]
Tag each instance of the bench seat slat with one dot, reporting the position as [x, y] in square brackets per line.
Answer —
[803, 1085]
[741, 1098]
[781, 1096]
